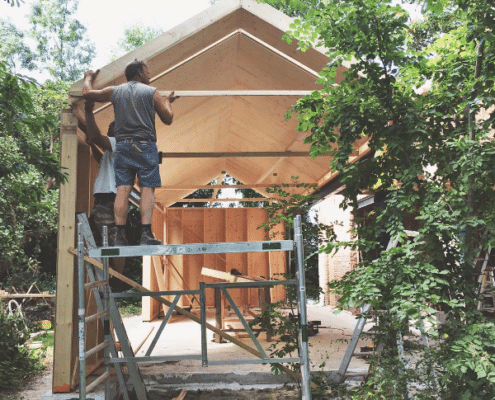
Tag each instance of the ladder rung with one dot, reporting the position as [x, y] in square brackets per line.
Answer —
[95, 284]
[97, 381]
[96, 349]
[95, 316]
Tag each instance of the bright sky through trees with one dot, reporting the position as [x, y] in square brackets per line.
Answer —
[106, 20]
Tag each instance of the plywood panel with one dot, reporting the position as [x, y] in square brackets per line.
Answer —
[174, 264]
[257, 262]
[235, 231]
[192, 222]
[214, 232]
[278, 264]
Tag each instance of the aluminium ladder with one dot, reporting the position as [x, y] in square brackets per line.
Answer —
[361, 322]
[106, 308]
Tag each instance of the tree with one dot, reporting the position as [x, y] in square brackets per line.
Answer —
[28, 204]
[135, 36]
[60, 39]
[432, 161]
[13, 48]
[14, 2]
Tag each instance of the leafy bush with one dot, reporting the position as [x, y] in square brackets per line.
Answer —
[17, 360]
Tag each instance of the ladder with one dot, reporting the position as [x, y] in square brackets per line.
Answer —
[485, 278]
[351, 348]
[106, 307]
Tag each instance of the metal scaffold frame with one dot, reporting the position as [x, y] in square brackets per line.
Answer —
[109, 312]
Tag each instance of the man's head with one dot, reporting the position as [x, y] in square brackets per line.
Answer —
[137, 70]
[111, 129]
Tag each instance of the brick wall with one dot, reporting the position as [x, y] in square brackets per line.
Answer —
[333, 267]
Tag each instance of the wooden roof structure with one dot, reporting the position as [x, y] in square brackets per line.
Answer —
[237, 78]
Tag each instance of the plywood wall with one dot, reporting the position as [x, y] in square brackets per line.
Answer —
[212, 225]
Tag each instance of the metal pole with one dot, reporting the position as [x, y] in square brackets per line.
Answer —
[106, 320]
[301, 300]
[202, 302]
[81, 314]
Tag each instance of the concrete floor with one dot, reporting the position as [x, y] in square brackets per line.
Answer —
[183, 337]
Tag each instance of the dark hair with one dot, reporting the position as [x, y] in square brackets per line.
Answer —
[133, 68]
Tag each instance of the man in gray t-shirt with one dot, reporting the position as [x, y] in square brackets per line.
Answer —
[135, 104]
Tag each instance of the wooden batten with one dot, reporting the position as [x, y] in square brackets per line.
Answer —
[65, 328]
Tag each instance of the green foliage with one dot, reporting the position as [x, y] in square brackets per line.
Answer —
[294, 8]
[17, 361]
[61, 44]
[431, 164]
[13, 49]
[27, 208]
[135, 36]
[14, 2]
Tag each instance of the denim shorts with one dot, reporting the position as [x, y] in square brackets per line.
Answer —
[137, 158]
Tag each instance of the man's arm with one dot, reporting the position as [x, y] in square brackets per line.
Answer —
[102, 95]
[163, 106]
[93, 132]
[95, 150]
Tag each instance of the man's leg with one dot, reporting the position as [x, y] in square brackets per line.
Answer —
[121, 210]
[147, 204]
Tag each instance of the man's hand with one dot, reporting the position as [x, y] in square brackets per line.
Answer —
[91, 75]
[172, 97]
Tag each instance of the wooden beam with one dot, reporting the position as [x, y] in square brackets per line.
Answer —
[221, 200]
[226, 154]
[77, 94]
[65, 307]
[227, 276]
[286, 186]
[283, 55]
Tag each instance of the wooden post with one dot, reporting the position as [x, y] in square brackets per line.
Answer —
[65, 329]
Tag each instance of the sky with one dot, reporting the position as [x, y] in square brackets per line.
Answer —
[106, 20]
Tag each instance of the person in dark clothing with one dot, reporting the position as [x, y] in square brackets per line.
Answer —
[104, 188]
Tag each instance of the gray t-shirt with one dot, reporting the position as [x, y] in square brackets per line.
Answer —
[134, 111]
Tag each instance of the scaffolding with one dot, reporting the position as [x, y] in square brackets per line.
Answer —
[109, 313]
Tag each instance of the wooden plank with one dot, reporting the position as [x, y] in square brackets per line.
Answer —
[235, 231]
[226, 276]
[174, 236]
[150, 309]
[287, 186]
[192, 222]
[214, 232]
[7, 295]
[249, 154]
[222, 200]
[257, 263]
[65, 329]
[282, 54]
[278, 264]
[76, 94]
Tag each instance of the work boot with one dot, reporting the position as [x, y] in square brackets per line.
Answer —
[120, 239]
[147, 238]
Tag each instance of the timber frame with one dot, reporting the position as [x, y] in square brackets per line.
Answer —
[237, 78]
